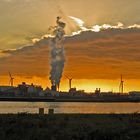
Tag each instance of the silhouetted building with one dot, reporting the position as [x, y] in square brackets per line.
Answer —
[29, 90]
[7, 90]
[134, 93]
[22, 89]
[97, 91]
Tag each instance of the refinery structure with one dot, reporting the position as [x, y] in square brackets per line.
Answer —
[32, 91]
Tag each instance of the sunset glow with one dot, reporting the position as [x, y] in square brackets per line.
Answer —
[82, 84]
[99, 45]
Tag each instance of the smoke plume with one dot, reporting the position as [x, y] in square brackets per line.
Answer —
[57, 53]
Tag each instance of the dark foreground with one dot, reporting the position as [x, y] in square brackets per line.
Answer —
[70, 127]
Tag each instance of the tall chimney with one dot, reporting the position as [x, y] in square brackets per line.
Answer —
[53, 88]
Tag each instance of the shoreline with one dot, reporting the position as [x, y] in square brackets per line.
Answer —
[67, 99]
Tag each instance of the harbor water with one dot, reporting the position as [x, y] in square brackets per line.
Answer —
[68, 107]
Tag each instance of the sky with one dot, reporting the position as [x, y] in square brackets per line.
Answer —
[102, 42]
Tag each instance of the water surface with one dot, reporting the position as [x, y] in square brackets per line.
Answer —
[69, 107]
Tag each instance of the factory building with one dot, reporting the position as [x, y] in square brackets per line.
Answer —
[134, 94]
[7, 91]
[28, 90]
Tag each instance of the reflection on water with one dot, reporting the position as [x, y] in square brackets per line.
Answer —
[68, 107]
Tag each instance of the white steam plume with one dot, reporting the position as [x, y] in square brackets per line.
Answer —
[95, 28]
[57, 53]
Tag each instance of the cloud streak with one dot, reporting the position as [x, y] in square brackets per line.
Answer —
[98, 28]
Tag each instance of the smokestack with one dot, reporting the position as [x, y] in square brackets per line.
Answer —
[53, 88]
[57, 53]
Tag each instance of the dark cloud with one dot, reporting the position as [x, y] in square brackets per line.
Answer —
[90, 55]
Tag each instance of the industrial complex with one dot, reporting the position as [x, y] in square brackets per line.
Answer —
[37, 93]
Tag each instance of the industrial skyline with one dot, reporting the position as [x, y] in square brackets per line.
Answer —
[100, 43]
